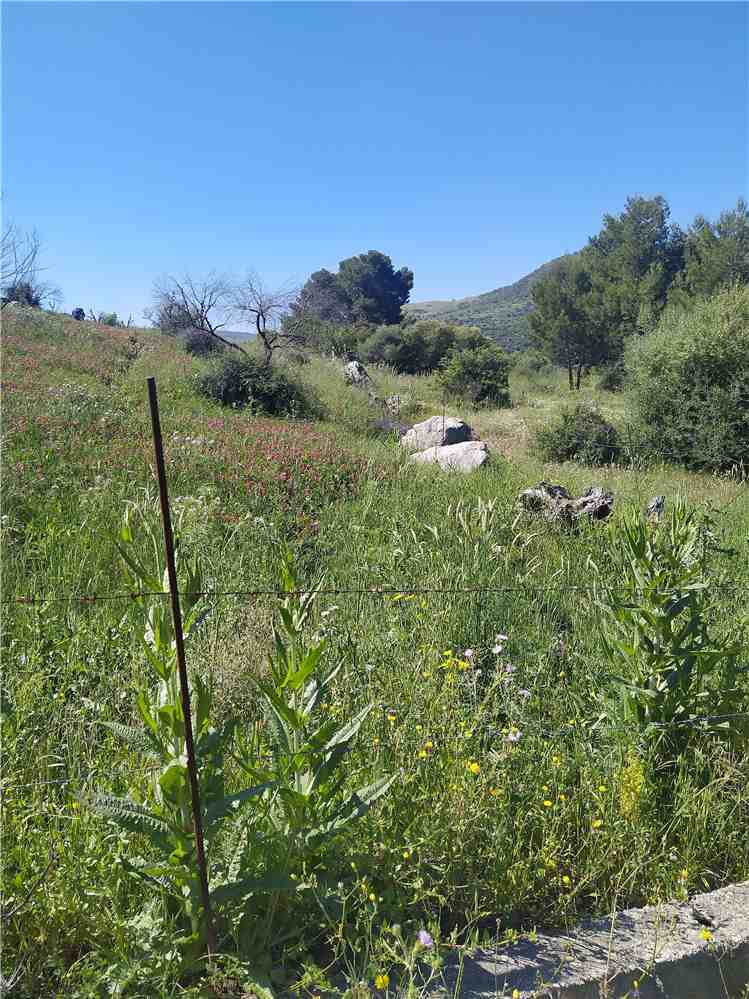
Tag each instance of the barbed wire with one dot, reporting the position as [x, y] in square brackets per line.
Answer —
[402, 591]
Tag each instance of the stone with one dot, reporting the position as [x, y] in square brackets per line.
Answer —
[355, 373]
[555, 503]
[437, 431]
[685, 950]
[463, 457]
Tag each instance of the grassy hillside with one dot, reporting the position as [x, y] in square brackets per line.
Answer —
[501, 314]
[522, 795]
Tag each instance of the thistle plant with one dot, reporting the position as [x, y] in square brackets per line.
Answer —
[164, 815]
[307, 770]
[676, 676]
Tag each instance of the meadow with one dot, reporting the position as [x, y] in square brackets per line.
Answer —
[523, 794]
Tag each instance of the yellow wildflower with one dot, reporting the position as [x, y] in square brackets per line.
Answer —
[382, 981]
[473, 766]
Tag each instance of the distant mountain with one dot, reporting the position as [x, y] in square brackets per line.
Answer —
[501, 314]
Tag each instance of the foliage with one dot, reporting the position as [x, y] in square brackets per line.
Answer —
[531, 362]
[716, 255]
[418, 347]
[366, 289]
[579, 434]
[201, 344]
[632, 262]
[162, 816]
[690, 382]
[613, 378]
[675, 678]
[476, 739]
[478, 375]
[244, 382]
[109, 319]
[560, 323]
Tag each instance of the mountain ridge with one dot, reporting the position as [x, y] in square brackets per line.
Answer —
[501, 314]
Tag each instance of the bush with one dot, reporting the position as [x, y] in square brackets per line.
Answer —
[531, 362]
[420, 347]
[580, 434]
[614, 378]
[202, 344]
[690, 382]
[241, 382]
[478, 374]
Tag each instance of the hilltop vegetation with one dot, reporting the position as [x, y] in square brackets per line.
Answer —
[494, 704]
[501, 315]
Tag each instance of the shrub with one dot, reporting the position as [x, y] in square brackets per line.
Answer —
[478, 374]
[614, 378]
[420, 347]
[202, 344]
[690, 381]
[241, 381]
[531, 362]
[579, 434]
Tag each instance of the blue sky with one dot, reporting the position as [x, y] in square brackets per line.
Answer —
[471, 142]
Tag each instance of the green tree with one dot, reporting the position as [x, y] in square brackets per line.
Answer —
[632, 262]
[561, 326]
[716, 254]
[419, 347]
[366, 289]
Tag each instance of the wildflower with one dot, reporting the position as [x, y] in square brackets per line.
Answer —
[468, 654]
[425, 939]
[498, 649]
[500, 638]
[684, 874]
[406, 855]
[602, 788]
[562, 797]
[494, 791]
[391, 717]
[516, 994]
[706, 935]
[597, 823]
[429, 744]
[473, 767]
[524, 693]
[547, 803]
[565, 879]
[382, 981]
[513, 735]
[422, 754]
[372, 897]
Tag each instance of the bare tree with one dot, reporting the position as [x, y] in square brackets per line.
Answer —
[269, 312]
[190, 303]
[19, 270]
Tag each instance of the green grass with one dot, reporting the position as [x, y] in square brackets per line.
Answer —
[576, 817]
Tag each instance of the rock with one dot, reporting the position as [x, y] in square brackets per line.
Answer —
[437, 431]
[355, 373]
[393, 404]
[463, 457]
[556, 503]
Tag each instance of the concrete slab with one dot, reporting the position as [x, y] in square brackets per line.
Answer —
[693, 950]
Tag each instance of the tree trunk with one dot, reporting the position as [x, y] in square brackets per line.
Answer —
[569, 375]
[577, 379]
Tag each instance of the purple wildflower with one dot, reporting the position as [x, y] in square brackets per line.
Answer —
[513, 735]
[425, 938]
[524, 693]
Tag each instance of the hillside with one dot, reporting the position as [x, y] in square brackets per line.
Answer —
[501, 314]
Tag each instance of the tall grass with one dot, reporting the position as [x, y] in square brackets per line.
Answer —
[518, 796]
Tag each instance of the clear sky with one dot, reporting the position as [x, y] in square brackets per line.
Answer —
[471, 142]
